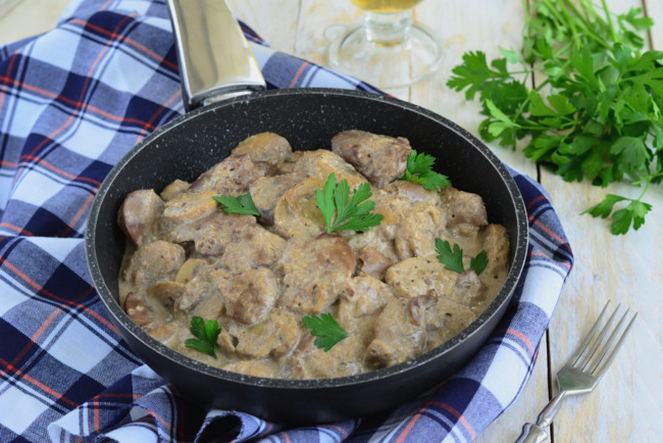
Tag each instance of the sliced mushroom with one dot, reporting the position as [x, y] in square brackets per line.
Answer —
[265, 149]
[174, 189]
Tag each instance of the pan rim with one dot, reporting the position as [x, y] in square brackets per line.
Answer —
[503, 296]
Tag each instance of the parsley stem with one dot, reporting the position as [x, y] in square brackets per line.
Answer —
[587, 27]
[648, 180]
[608, 18]
[542, 85]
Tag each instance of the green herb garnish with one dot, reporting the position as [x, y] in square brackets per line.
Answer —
[452, 259]
[595, 112]
[479, 263]
[420, 170]
[344, 212]
[206, 333]
[242, 204]
[325, 327]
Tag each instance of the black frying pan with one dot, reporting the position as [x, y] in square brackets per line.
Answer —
[308, 118]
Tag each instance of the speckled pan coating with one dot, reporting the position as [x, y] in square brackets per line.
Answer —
[308, 118]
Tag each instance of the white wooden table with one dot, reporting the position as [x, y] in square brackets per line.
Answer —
[628, 405]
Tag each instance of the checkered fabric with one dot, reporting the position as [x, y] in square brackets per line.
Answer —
[72, 102]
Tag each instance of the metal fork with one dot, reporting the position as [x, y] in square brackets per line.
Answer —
[582, 372]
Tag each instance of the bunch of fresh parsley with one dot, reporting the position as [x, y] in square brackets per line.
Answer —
[600, 115]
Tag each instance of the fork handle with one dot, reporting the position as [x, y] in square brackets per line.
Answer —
[533, 433]
[538, 433]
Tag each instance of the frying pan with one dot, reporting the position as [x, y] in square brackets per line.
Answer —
[308, 118]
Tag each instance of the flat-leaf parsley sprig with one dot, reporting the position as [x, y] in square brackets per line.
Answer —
[342, 211]
[325, 327]
[242, 204]
[452, 258]
[420, 170]
[206, 333]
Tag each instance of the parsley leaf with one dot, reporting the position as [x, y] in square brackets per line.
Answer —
[604, 208]
[206, 333]
[452, 259]
[420, 170]
[479, 263]
[631, 215]
[325, 327]
[595, 113]
[342, 211]
[242, 204]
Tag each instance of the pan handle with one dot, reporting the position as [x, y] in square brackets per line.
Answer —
[215, 59]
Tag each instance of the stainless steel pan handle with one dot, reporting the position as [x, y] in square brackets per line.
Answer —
[215, 59]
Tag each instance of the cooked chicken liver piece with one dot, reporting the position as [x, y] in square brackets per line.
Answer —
[212, 234]
[309, 362]
[416, 234]
[154, 262]
[399, 335]
[464, 207]
[420, 276]
[250, 295]
[178, 222]
[138, 310]
[139, 215]
[232, 176]
[266, 191]
[203, 295]
[167, 292]
[382, 159]
[253, 247]
[265, 149]
[369, 294]
[469, 291]
[276, 336]
[315, 272]
[320, 163]
[446, 319]
[373, 262]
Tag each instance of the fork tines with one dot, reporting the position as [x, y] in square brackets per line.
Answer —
[603, 341]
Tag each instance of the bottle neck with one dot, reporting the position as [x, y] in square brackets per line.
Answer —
[387, 29]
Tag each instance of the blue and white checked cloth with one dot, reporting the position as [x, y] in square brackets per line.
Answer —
[72, 102]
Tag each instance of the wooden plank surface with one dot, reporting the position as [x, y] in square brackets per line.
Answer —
[30, 17]
[628, 404]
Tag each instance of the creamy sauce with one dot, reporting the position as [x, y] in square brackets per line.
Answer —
[258, 276]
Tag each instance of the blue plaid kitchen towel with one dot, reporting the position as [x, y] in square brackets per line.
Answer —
[72, 102]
